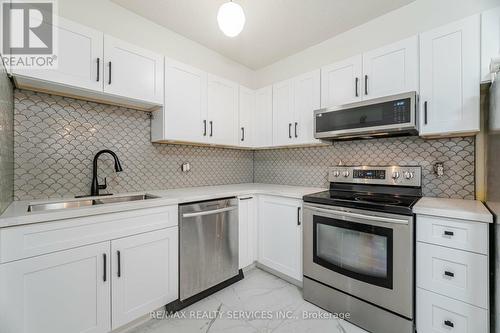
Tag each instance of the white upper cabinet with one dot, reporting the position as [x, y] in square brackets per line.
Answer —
[391, 69]
[246, 116]
[490, 40]
[307, 96]
[79, 58]
[263, 118]
[449, 79]
[283, 117]
[222, 111]
[184, 115]
[341, 82]
[132, 72]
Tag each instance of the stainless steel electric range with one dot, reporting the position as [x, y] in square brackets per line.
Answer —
[359, 246]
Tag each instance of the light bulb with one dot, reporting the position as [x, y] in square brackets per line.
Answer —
[231, 19]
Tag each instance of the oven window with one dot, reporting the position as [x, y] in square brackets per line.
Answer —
[359, 251]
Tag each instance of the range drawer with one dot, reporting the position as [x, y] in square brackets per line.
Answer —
[454, 273]
[41, 238]
[457, 234]
[439, 314]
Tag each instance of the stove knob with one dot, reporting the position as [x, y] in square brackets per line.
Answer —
[336, 173]
[395, 175]
[345, 174]
[409, 175]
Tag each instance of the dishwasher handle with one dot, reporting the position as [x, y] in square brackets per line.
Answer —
[209, 212]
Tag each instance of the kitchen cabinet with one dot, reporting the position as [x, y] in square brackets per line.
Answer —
[222, 112]
[490, 40]
[144, 274]
[341, 82]
[246, 115]
[67, 291]
[79, 58]
[247, 229]
[391, 70]
[294, 101]
[132, 71]
[450, 79]
[184, 114]
[263, 117]
[280, 235]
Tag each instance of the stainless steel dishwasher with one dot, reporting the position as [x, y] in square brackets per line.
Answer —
[208, 244]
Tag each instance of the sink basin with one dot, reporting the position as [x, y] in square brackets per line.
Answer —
[87, 202]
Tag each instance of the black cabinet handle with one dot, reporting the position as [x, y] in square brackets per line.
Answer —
[366, 84]
[425, 113]
[243, 199]
[449, 323]
[449, 233]
[296, 124]
[212, 128]
[98, 69]
[243, 134]
[205, 127]
[290, 130]
[118, 254]
[105, 265]
[356, 89]
[109, 78]
[298, 215]
[448, 273]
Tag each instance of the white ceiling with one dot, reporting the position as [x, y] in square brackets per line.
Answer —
[274, 29]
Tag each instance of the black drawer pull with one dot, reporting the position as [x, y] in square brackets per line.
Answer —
[448, 273]
[105, 265]
[449, 233]
[449, 323]
[298, 216]
[118, 254]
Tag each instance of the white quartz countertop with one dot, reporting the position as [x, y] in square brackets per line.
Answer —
[17, 213]
[454, 208]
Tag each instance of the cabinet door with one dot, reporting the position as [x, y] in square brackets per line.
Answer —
[67, 291]
[222, 111]
[145, 274]
[246, 114]
[283, 117]
[79, 56]
[247, 230]
[490, 40]
[392, 69]
[449, 74]
[184, 114]
[307, 95]
[341, 82]
[280, 235]
[132, 72]
[263, 118]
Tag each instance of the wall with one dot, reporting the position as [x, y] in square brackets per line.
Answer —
[6, 140]
[309, 166]
[117, 21]
[404, 22]
[56, 139]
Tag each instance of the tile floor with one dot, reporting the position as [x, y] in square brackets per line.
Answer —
[260, 294]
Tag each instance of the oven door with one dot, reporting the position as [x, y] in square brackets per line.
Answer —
[365, 254]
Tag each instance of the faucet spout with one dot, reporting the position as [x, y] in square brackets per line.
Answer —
[94, 190]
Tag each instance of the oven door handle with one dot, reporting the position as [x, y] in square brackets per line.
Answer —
[360, 216]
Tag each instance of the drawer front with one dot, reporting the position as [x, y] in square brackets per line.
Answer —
[454, 273]
[457, 234]
[41, 238]
[439, 314]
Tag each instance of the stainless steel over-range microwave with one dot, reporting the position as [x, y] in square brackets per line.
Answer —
[385, 116]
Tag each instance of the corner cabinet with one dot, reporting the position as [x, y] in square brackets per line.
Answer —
[263, 118]
[247, 104]
[450, 79]
[280, 235]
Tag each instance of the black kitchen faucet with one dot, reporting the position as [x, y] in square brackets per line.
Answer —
[94, 190]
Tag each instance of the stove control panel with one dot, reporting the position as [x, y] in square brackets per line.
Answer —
[377, 175]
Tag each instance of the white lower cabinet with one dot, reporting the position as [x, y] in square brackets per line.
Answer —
[62, 292]
[247, 230]
[280, 235]
[144, 274]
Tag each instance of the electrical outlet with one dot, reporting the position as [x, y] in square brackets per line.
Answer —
[186, 167]
[439, 169]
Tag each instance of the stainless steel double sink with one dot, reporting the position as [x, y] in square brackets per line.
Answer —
[87, 202]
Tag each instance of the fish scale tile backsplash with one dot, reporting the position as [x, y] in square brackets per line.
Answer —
[309, 166]
[6, 140]
[56, 139]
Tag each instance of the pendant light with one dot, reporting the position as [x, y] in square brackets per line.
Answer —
[231, 19]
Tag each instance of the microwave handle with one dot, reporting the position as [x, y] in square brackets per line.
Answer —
[360, 216]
